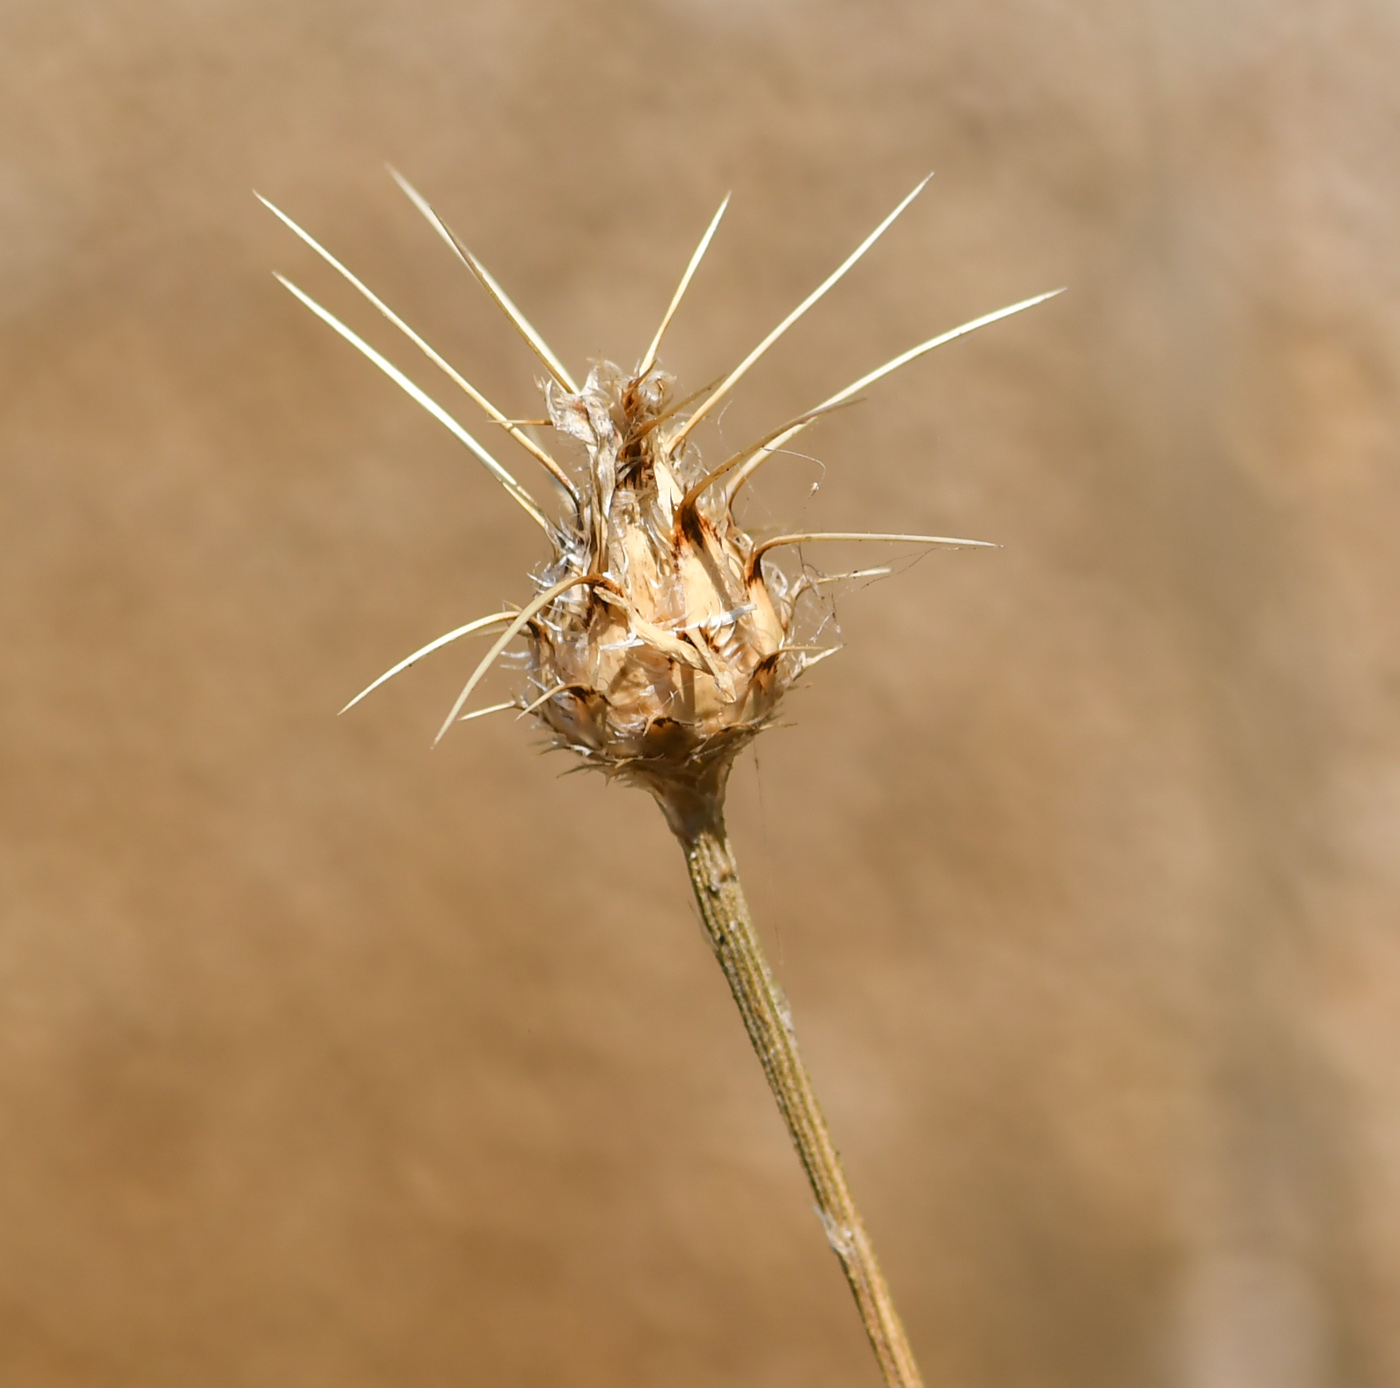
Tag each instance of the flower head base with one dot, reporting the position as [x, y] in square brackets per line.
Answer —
[657, 644]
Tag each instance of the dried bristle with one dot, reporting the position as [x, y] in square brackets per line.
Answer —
[662, 640]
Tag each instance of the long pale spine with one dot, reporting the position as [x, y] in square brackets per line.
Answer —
[768, 1022]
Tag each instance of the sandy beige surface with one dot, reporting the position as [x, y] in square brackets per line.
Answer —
[327, 1059]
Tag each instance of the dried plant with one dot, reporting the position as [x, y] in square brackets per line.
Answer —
[661, 639]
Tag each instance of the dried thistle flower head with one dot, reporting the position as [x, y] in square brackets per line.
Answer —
[671, 650]
[658, 642]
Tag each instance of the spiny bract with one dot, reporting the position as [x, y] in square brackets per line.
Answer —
[658, 642]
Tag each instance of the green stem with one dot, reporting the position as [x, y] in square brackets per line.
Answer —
[768, 1021]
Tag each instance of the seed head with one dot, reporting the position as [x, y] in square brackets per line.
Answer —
[672, 651]
[658, 643]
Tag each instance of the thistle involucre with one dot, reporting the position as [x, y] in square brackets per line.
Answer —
[660, 640]
[672, 650]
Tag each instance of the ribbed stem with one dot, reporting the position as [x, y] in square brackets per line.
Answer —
[769, 1024]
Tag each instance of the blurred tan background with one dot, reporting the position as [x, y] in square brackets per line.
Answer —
[326, 1059]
